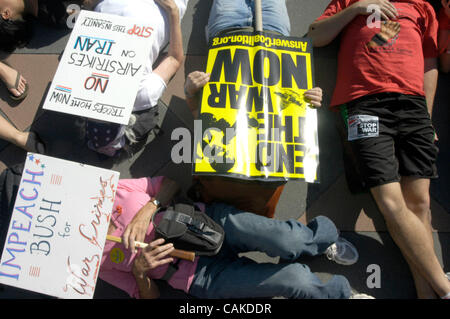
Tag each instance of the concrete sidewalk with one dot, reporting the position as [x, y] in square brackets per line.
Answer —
[356, 215]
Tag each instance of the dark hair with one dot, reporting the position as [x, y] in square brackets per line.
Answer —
[15, 33]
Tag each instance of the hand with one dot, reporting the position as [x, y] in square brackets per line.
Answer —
[154, 255]
[90, 4]
[387, 9]
[138, 226]
[389, 29]
[195, 81]
[314, 96]
[167, 5]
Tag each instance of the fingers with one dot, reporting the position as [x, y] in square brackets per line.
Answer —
[126, 236]
[155, 254]
[314, 96]
[195, 81]
[132, 233]
[389, 11]
[386, 9]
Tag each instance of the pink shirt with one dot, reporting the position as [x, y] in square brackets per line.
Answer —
[117, 262]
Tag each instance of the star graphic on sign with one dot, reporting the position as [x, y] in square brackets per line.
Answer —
[42, 166]
[38, 161]
[31, 157]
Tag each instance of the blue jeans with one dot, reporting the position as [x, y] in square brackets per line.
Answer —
[228, 276]
[229, 14]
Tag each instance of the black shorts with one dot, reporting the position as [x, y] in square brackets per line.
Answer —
[391, 135]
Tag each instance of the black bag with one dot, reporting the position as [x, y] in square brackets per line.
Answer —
[190, 229]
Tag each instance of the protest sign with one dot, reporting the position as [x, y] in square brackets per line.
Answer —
[99, 73]
[255, 121]
[58, 227]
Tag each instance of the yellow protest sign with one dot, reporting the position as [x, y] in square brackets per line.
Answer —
[255, 121]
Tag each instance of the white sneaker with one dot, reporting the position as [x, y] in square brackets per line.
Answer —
[342, 252]
[361, 296]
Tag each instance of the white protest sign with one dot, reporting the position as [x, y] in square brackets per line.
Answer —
[103, 62]
[58, 227]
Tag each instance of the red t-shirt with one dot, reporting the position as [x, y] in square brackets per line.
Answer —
[397, 65]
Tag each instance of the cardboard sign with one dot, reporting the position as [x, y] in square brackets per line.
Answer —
[58, 227]
[99, 73]
[255, 121]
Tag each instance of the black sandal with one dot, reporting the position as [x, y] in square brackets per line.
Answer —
[16, 87]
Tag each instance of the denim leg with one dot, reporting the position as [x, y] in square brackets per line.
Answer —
[243, 278]
[228, 14]
[287, 239]
[275, 16]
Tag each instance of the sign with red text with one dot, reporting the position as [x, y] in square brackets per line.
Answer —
[58, 227]
[99, 73]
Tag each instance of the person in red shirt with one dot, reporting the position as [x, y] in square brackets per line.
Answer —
[386, 82]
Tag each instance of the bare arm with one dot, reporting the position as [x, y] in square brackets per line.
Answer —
[138, 226]
[170, 65]
[90, 4]
[444, 57]
[195, 81]
[154, 255]
[325, 31]
[147, 287]
[430, 78]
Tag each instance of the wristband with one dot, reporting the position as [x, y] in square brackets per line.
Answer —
[378, 39]
[155, 202]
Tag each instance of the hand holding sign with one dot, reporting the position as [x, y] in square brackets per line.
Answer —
[195, 81]
[167, 5]
[314, 96]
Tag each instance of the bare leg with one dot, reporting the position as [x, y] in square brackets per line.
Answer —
[411, 236]
[11, 134]
[29, 141]
[416, 194]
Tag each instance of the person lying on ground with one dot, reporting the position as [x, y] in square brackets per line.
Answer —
[225, 275]
[229, 16]
[16, 30]
[386, 83]
[164, 16]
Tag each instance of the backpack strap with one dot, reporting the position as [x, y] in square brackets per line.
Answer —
[173, 268]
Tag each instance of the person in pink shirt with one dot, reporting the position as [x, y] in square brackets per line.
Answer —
[224, 275]
[120, 267]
